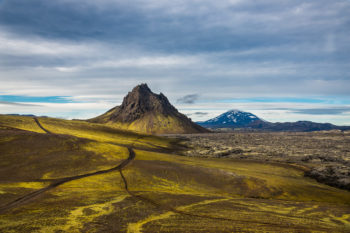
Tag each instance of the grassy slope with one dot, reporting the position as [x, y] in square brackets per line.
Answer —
[42, 156]
[253, 196]
[153, 123]
[102, 133]
[20, 122]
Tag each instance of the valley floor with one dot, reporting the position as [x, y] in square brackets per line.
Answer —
[73, 176]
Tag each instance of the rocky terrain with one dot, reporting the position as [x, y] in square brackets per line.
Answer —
[324, 155]
[147, 112]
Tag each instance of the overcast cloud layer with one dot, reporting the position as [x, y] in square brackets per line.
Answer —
[282, 60]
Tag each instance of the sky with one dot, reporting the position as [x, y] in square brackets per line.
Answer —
[283, 60]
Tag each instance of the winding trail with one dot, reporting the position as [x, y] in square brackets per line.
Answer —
[38, 123]
[60, 181]
[57, 182]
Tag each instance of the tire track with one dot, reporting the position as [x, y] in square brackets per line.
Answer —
[38, 123]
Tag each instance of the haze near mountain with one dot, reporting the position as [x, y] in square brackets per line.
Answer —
[147, 112]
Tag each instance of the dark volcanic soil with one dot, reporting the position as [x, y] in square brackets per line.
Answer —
[325, 155]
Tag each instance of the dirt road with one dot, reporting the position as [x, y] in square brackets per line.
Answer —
[38, 123]
[56, 182]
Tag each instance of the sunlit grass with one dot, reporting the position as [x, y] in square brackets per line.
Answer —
[153, 123]
[264, 179]
[20, 122]
[45, 156]
[103, 133]
[26, 185]
[109, 151]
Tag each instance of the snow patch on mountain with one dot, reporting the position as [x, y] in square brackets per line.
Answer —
[232, 118]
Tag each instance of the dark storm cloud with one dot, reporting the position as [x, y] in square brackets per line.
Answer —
[188, 99]
[289, 30]
[181, 25]
[72, 20]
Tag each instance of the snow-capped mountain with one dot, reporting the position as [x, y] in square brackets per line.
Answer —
[246, 120]
[230, 119]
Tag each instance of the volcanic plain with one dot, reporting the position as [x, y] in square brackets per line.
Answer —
[74, 176]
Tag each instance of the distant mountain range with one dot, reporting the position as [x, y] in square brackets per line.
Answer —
[245, 120]
[147, 112]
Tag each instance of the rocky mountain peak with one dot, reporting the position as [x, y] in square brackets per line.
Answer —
[144, 111]
[142, 89]
[140, 101]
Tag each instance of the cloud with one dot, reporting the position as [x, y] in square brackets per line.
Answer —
[201, 113]
[11, 44]
[188, 99]
[323, 111]
[186, 26]
[99, 50]
[18, 104]
[60, 110]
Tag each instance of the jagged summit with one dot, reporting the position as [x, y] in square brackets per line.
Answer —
[144, 111]
[142, 100]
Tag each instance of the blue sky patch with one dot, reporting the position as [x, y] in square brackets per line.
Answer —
[36, 99]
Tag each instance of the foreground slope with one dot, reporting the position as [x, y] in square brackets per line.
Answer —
[147, 112]
[154, 191]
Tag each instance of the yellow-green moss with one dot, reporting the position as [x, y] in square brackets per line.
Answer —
[20, 122]
[108, 151]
